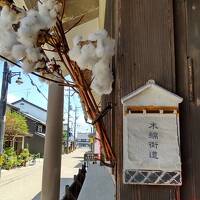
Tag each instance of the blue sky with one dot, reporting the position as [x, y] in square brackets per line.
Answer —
[25, 90]
[30, 93]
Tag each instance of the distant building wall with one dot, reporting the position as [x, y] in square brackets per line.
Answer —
[36, 142]
[36, 125]
[82, 139]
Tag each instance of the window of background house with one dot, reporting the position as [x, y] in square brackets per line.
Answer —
[39, 128]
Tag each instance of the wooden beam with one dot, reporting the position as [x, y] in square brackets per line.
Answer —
[74, 9]
[88, 16]
[151, 108]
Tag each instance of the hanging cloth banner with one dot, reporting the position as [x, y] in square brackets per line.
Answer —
[151, 143]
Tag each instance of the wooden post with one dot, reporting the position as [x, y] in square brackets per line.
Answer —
[23, 142]
[53, 144]
[145, 50]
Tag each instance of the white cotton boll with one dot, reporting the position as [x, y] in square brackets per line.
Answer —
[28, 66]
[74, 53]
[53, 5]
[82, 62]
[33, 54]
[46, 18]
[55, 9]
[7, 36]
[27, 36]
[49, 3]
[42, 9]
[77, 39]
[32, 18]
[53, 14]
[102, 77]
[87, 57]
[7, 40]
[101, 34]
[105, 48]
[92, 37]
[32, 22]
[49, 10]
[27, 41]
[100, 48]
[30, 26]
[88, 50]
[7, 17]
[18, 51]
[109, 46]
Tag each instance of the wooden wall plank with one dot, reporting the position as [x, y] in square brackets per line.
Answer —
[187, 45]
[145, 50]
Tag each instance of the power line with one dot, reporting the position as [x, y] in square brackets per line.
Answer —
[34, 73]
[37, 88]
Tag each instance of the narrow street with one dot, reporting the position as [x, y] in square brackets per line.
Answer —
[25, 183]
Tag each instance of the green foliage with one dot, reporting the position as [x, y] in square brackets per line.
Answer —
[11, 160]
[15, 125]
[25, 155]
[65, 135]
[1, 160]
[20, 161]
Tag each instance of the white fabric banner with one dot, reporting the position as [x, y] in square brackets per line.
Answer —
[151, 142]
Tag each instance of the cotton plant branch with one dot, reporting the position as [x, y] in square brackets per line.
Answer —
[102, 114]
[84, 90]
[93, 54]
[89, 101]
[66, 83]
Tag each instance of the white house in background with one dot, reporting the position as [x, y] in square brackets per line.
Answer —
[36, 119]
[82, 139]
[31, 109]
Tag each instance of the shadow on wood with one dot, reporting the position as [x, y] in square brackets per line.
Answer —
[72, 191]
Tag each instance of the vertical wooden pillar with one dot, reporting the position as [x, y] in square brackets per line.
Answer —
[23, 140]
[187, 46]
[145, 50]
[53, 144]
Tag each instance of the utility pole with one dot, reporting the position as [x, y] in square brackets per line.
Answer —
[3, 103]
[53, 143]
[69, 95]
[7, 75]
[75, 118]
[68, 116]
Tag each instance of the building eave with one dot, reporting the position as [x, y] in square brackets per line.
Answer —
[42, 135]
